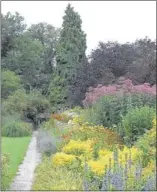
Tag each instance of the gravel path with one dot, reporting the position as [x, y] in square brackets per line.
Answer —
[24, 177]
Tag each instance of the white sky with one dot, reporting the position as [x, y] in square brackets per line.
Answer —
[121, 21]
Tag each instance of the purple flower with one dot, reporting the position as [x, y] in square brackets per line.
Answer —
[150, 184]
[117, 180]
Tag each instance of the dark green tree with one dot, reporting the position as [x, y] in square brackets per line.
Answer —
[48, 36]
[26, 60]
[12, 26]
[70, 53]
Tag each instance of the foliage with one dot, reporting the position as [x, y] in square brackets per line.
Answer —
[126, 88]
[48, 125]
[36, 105]
[16, 128]
[10, 83]
[108, 110]
[25, 56]
[113, 174]
[56, 92]
[46, 143]
[15, 103]
[102, 136]
[136, 61]
[5, 167]
[147, 143]
[12, 26]
[61, 159]
[30, 106]
[16, 148]
[111, 165]
[61, 117]
[48, 36]
[70, 52]
[78, 147]
[49, 177]
[136, 122]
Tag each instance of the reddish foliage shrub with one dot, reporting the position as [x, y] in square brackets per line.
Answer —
[94, 94]
[60, 117]
[57, 117]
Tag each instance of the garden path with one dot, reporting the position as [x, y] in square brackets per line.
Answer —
[25, 174]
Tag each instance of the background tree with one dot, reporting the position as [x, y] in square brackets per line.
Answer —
[10, 83]
[12, 26]
[143, 68]
[25, 60]
[70, 52]
[135, 61]
[47, 35]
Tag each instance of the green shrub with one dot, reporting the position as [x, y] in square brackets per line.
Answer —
[16, 128]
[28, 105]
[15, 103]
[48, 125]
[147, 143]
[136, 122]
[108, 110]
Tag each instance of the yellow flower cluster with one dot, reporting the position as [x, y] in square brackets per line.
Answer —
[154, 122]
[78, 147]
[77, 120]
[104, 153]
[62, 159]
[151, 167]
[98, 167]
[124, 154]
[106, 159]
[152, 132]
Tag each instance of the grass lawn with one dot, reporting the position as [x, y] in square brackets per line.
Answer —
[16, 147]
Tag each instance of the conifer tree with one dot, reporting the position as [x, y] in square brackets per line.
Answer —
[70, 53]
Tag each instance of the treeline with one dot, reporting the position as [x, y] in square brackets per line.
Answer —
[53, 61]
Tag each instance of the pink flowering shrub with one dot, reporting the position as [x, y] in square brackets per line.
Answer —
[94, 94]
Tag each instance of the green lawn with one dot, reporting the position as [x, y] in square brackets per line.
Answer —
[16, 147]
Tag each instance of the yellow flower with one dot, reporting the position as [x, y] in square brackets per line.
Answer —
[104, 153]
[78, 147]
[154, 122]
[124, 154]
[97, 167]
[151, 167]
[61, 159]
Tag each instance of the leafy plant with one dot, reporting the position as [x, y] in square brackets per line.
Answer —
[30, 106]
[16, 128]
[108, 110]
[49, 177]
[136, 122]
[147, 143]
[46, 143]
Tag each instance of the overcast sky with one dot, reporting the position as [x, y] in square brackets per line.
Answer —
[121, 21]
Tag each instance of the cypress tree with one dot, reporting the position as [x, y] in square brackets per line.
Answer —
[70, 53]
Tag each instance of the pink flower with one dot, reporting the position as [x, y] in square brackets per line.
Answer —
[95, 93]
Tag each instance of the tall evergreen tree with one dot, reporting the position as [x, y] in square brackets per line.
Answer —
[70, 53]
